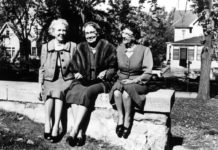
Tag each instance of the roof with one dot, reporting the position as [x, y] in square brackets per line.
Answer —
[184, 18]
[7, 25]
[191, 41]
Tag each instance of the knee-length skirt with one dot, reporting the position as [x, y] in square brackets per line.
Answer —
[84, 95]
[55, 89]
[136, 92]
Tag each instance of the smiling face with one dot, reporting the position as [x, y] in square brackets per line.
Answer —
[127, 36]
[91, 34]
[59, 32]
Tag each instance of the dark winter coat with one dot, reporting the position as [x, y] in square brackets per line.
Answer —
[105, 59]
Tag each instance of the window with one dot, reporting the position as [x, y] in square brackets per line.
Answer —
[11, 51]
[199, 50]
[175, 54]
[34, 51]
[7, 33]
[191, 54]
[183, 33]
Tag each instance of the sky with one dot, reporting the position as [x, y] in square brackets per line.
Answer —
[168, 4]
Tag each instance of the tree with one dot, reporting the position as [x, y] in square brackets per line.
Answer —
[208, 19]
[154, 26]
[21, 14]
[77, 12]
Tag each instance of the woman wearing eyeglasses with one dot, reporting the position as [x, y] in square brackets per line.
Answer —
[135, 64]
[94, 63]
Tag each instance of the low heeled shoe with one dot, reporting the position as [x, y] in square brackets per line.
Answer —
[55, 139]
[81, 140]
[119, 130]
[126, 132]
[71, 141]
[47, 136]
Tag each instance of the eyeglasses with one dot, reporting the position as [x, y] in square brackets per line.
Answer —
[91, 32]
[128, 34]
[90, 38]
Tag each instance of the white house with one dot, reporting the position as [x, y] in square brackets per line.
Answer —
[12, 43]
[185, 50]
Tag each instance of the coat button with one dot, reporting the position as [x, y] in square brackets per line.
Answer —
[64, 67]
[61, 53]
[62, 59]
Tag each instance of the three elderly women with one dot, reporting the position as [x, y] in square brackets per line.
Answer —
[76, 74]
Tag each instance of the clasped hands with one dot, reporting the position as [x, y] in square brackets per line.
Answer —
[128, 81]
[100, 76]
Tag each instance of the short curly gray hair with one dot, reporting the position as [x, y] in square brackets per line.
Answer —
[54, 23]
[93, 24]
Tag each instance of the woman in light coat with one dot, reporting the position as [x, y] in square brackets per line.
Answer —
[55, 76]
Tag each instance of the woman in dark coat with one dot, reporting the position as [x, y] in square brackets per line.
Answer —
[134, 70]
[94, 64]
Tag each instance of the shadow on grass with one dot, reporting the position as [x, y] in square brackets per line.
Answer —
[174, 141]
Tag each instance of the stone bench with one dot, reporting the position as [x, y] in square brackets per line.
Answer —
[150, 127]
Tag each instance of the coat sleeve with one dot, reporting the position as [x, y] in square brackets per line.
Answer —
[42, 62]
[72, 56]
[147, 65]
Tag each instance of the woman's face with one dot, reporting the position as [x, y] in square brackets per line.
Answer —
[60, 32]
[127, 36]
[91, 34]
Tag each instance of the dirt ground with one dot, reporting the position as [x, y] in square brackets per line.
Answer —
[194, 124]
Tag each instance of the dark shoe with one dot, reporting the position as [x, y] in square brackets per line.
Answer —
[119, 130]
[71, 141]
[55, 139]
[81, 140]
[126, 132]
[47, 136]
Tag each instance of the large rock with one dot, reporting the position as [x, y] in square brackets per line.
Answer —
[146, 133]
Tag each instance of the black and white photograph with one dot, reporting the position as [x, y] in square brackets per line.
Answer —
[108, 74]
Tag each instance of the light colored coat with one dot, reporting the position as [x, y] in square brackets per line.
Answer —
[49, 58]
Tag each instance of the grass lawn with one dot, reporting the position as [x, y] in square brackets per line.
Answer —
[195, 124]
[17, 132]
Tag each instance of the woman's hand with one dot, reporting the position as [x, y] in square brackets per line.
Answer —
[78, 75]
[127, 81]
[101, 74]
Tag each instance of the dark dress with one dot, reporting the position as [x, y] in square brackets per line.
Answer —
[137, 66]
[85, 91]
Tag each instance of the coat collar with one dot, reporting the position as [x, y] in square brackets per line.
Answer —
[124, 49]
[51, 46]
